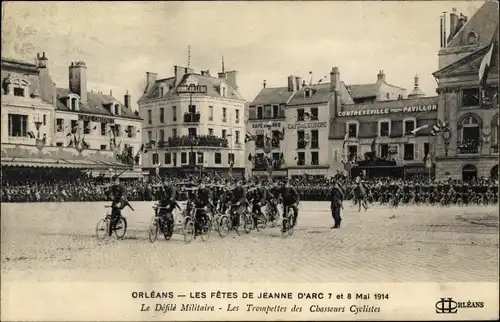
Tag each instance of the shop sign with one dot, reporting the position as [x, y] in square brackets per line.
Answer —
[385, 140]
[265, 125]
[96, 119]
[312, 125]
[384, 111]
[192, 89]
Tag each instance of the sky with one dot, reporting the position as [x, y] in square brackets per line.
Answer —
[121, 41]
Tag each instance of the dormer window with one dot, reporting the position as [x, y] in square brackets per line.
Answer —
[307, 93]
[223, 91]
[116, 109]
[19, 87]
[162, 90]
[73, 102]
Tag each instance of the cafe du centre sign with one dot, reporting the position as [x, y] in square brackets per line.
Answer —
[383, 111]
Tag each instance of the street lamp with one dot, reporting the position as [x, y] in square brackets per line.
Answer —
[447, 139]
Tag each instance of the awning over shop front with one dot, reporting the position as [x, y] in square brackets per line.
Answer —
[60, 163]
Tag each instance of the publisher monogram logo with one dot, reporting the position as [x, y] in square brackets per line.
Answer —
[446, 306]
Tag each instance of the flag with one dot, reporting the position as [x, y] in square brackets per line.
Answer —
[415, 131]
[485, 64]
[31, 135]
[307, 116]
[438, 128]
[249, 157]
[373, 146]
[95, 127]
[346, 136]
[282, 158]
[249, 137]
[85, 144]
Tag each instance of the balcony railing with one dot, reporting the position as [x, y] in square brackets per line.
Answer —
[494, 149]
[192, 117]
[468, 148]
[198, 140]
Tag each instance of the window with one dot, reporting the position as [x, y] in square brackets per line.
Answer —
[103, 129]
[275, 140]
[44, 119]
[59, 144]
[314, 114]
[174, 133]
[300, 114]
[74, 126]
[237, 117]
[470, 97]
[131, 131]
[168, 158]
[224, 114]
[314, 139]
[192, 109]
[237, 137]
[60, 125]
[210, 131]
[301, 141]
[268, 111]
[384, 151]
[174, 113]
[259, 140]
[224, 91]
[352, 130]
[494, 132]
[224, 132]
[260, 112]
[162, 135]
[150, 117]
[118, 128]
[307, 93]
[409, 126]
[192, 131]
[210, 113]
[103, 146]
[174, 159]
[19, 91]
[162, 115]
[117, 109]
[426, 149]
[86, 127]
[150, 136]
[276, 111]
[387, 95]
[230, 158]
[201, 157]
[301, 158]
[217, 158]
[469, 134]
[74, 103]
[156, 159]
[409, 152]
[314, 158]
[183, 158]
[384, 128]
[352, 152]
[162, 91]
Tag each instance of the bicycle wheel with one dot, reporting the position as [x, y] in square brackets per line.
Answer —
[168, 230]
[272, 217]
[102, 229]
[188, 230]
[224, 226]
[206, 229]
[247, 223]
[290, 226]
[120, 227]
[153, 229]
[262, 221]
[285, 227]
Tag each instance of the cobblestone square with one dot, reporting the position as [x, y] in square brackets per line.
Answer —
[56, 242]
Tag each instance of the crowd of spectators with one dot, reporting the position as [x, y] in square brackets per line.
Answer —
[81, 187]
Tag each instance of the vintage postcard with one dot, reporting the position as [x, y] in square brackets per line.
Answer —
[261, 160]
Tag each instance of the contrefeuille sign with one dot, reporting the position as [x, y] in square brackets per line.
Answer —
[382, 111]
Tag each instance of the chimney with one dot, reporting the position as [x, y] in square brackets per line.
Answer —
[310, 78]
[453, 24]
[41, 61]
[179, 73]
[441, 28]
[264, 83]
[292, 87]
[231, 79]
[205, 73]
[335, 80]
[298, 81]
[150, 79]
[110, 92]
[126, 100]
[47, 86]
[304, 83]
[78, 79]
[381, 77]
[221, 75]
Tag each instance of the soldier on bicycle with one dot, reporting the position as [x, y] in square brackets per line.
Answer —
[238, 199]
[290, 198]
[118, 195]
[258, 200]
[203, 199]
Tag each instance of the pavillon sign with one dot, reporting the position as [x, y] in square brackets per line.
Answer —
[383, 111]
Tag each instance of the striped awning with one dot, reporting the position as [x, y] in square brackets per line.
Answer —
[60, 163]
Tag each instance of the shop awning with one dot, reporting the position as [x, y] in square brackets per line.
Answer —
[60, 163]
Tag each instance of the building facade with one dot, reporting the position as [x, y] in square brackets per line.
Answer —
[193, 121]
[70, 128]
[468, 97]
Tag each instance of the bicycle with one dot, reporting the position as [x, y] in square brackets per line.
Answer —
[261, 220]
[108, 228]
[272, 214]
[288, 224]
[159, 223]
[226, 220]
[188, 227]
